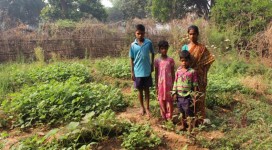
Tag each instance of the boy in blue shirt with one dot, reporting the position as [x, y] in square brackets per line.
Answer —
[141, 67]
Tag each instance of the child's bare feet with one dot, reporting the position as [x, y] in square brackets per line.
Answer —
[148, 113]
[142, 112]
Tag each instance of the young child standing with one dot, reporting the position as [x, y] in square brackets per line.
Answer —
[164, 78]
[141, 67]
[185, 83]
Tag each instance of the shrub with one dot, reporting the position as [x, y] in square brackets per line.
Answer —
[248, 16]
[118, 68]
[223, 82]
[79, 135]
[58, 102]
[58, 72]
[140, 137]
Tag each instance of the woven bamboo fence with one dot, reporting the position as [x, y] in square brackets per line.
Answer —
[83, 40]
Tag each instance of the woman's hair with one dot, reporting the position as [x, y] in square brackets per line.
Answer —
[193, 27]
[164, 44]
[184, 54]
[140, 27]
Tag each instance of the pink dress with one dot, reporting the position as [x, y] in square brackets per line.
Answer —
[165, 82]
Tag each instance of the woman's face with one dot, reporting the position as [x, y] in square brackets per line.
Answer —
[193, 35]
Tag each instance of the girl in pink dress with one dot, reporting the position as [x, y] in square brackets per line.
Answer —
[164, 78]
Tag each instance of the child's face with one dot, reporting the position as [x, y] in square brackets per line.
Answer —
[163, 50]
[139, 35]
[193, 35]
[184, 63]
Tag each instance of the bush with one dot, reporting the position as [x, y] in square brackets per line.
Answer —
[223, 82]
[58, 102]
[79, 135]
[140, 137]
[58, 72]
[248, 17]
[117, 68]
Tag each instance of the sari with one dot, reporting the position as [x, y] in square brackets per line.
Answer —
[201, 60]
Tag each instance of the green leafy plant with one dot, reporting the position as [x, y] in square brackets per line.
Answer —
[57, 71]
[79, 135]
[140, 137]
[58, 102]
[118, 68]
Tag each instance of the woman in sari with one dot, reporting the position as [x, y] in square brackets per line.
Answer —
[201, 62]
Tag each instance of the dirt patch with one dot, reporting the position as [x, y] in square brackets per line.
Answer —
[170, 139]
[16, 135]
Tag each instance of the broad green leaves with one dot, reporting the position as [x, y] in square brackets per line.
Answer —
[58, 93]
[118, 68]
[59, 102]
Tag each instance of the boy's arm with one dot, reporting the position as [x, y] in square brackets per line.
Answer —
[151, 48]
[132, 69]
[152, 62]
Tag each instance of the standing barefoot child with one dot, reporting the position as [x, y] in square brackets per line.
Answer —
[164, 78]
[141, 67]
[185, 83]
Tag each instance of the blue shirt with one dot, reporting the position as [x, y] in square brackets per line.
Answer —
[140, 54]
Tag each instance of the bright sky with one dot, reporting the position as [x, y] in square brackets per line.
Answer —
[106, 3]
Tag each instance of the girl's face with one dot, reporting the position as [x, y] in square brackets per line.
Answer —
[184, 63]
[163, 51]
[193, 35]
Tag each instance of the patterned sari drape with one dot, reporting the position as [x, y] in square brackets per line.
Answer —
[201, 60]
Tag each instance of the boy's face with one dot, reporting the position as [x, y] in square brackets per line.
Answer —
[193, 35]
[163, 50]
[139, 35]
[184, 63]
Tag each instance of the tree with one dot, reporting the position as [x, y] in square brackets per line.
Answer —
[26, 11]
[161, 10]
[246, 16]
[176, 9]
[131, 8]
[114, 14]
[74, 10]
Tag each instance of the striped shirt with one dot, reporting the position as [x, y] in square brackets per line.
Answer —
[185, 81]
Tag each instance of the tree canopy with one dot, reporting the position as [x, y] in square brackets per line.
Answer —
[74, 10]
[26, 11]
[131, 8]
[162, 10]
[247, 16]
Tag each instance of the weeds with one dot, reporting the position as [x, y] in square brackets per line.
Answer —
[140, 137]
[58, 102]
[118, 68]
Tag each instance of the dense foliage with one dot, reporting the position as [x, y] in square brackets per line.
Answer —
[247, 17]
[164, 11]
[26, 11]
[131, 8]
[57, 71]
[73, 10]
[140, 137]
[118, 68]
[59, 102]
[58, 93]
